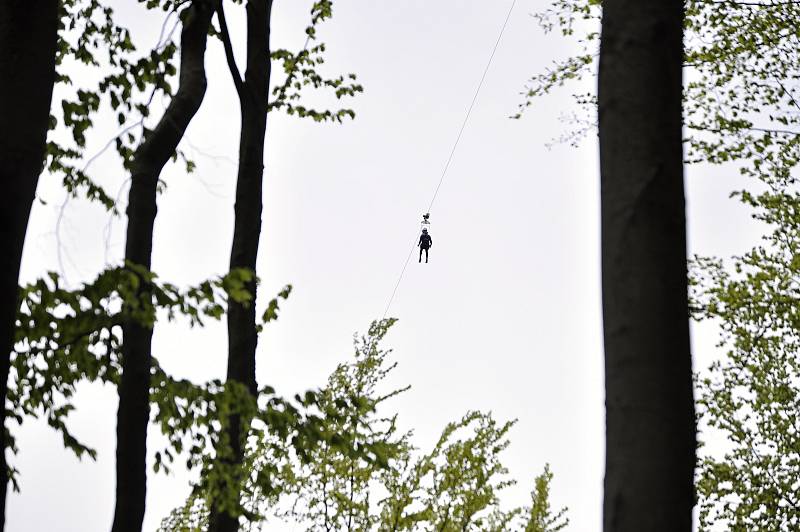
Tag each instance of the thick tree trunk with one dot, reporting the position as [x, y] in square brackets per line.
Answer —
[650, 424]
[27, 73]
[242, 336]
[149, 160]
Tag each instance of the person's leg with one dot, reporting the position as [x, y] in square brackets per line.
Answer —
[426, 255]
[420, 254]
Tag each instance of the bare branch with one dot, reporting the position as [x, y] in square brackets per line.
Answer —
[226, 43]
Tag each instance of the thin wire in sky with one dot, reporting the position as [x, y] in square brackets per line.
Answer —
[452, 152]
[471, 105]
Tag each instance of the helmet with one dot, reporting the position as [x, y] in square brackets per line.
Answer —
[425, 231]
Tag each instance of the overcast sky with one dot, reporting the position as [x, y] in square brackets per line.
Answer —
[505, 317]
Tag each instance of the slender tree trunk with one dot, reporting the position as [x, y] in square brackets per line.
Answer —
[148, 162]
[242, 336]
[27, 73]
[650, 424]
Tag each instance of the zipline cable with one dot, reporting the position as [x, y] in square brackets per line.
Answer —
[452, 153]
[471, 105]
[400, 278]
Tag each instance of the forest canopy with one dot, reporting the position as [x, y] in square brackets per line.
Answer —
[100, 104]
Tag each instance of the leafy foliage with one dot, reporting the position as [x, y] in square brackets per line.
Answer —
[541, 518]
[331, 490]
[93, 46]
[65, 337]
[741, 62]
[91, 41]
[751, 396]
[740, 105]
[301, 71]
[365, 473]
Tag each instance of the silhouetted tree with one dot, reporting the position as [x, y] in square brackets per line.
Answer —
[255, 101]
[28, 39]
[148, 161]
[253, 91]
[650, 424]
[102, 330]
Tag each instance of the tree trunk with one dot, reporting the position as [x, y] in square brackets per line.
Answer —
[148, 162]
[242, 335]
[650, 424]
[28, 40]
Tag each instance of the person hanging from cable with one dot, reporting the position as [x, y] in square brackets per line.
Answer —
[425, 243]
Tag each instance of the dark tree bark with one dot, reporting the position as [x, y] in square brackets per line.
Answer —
[650, 424]
[28, 40]
[242, 335]
[148, 162]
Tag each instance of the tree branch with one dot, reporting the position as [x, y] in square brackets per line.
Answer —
[226, 43]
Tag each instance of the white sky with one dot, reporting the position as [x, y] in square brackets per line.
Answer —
[505, 317]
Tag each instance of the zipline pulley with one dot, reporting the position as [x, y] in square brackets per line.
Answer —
[426, 221]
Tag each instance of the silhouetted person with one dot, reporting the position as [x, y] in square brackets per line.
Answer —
[425, 243]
